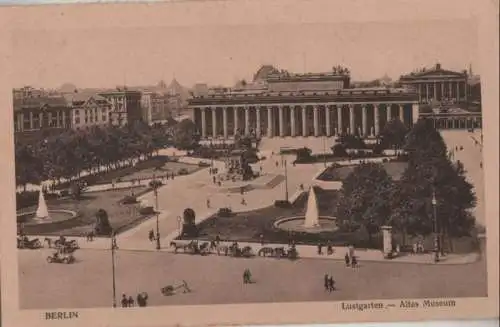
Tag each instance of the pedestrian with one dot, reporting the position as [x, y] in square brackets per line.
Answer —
[261, 236]
[320, 248]
[124, 301]
[347, 259]
[331, 284]
[130, 301]
[151, 235]
[208, 203]
[326, 280]
[354, 262]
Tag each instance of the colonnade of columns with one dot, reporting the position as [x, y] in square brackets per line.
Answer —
[364, 119]
[441, 90]
[457, 122]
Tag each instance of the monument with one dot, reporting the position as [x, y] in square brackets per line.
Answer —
[41, 212]
[312, 214]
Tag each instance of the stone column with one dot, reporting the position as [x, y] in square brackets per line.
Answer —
[40, 119]
[292, 120]
[224, 119]
[352, 127]
[316, 125]
[465, 91]
[402, 113]
[203, 123]
[259, 128]
[269, 122]
[328, 128]
[389, 112]
[339, 119]
[450, 88]
[427, 91]
[435, 91]
[214, 122]
[58, 118]
[387, 241]
[247, 121]
[442, 90]
[63, 119]
[282, 127]
[414, 112]
[364, 120]
[304, 122]
[458, 91]
[235, 115]
[376, 122]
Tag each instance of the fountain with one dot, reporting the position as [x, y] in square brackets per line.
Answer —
[311, 222]
[42, 212]
[312, 215]
[44, 220]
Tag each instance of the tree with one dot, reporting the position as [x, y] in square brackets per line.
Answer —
[185, 135]
[365, 198]
[393, 134]
[352, 142]
[339, 151]
[303, 155]
[430, 172]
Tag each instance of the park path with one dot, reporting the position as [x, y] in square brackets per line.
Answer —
[194, 190]
[470, 156]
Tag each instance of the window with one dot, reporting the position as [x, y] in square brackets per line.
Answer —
[77, 120]
[104, 117]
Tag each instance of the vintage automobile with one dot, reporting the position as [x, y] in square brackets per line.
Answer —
[61, 258]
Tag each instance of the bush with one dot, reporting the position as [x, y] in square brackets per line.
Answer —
[129, 199]
[155, 183]
[282, 204]
[183, 171]
[225, 212]
[26, 199]
[102, 226]
[149, 210]
[339, 151]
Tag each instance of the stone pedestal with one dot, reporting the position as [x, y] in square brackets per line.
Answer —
[387, 238]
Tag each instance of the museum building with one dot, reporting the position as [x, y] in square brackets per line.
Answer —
[279, 104]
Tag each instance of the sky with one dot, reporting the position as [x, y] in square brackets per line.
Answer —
[222, 54]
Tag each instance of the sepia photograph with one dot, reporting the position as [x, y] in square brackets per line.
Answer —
[226, 163]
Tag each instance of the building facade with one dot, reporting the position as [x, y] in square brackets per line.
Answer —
[301, 105]
[438, 84]
[125, 106]
[88, 110]
[37, 112]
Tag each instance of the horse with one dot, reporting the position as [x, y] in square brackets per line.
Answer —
[265, 251]
[48, 241]
[184, 245]
[279, 252]
[204, 248]
[220, 248]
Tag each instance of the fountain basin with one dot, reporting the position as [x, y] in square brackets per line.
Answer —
[57, 220]
[296, 224]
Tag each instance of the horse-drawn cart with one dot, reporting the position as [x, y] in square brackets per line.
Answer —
[25, 243]
[61, 258]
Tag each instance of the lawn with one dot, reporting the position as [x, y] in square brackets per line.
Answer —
[248, 226]
[394, 169]
[158, 166]
[121, 217]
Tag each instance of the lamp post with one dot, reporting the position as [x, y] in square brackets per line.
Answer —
[436, 235]
[324, 148]
[113, 247]
[155, 189]
[283, 163]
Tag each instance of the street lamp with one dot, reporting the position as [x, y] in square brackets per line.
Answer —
[283, 163]
[113, 247]
[436, 235]
[155, 189]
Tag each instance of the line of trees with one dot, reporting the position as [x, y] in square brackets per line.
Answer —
[66, 155]
[370, 198]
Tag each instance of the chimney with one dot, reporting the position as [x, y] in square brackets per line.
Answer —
[438, 66]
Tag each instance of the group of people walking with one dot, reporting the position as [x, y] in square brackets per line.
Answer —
[128, 301]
